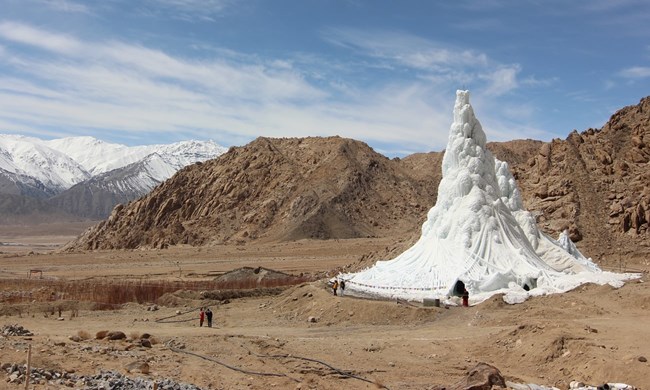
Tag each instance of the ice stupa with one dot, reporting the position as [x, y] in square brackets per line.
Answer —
[478, 236]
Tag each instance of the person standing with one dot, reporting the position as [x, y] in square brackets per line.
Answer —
[335, 286]
[342, 286]
[208, 314]
[201, 317]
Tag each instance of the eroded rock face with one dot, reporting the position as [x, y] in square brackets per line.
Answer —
[595, 183]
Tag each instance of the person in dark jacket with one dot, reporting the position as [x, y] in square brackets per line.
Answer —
[208, 315]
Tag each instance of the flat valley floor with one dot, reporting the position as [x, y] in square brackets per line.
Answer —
[594, 334]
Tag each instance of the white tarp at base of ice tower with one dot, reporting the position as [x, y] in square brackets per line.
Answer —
[478, 236]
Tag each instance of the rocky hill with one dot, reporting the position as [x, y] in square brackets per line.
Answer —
[274, 189]
[595, 183]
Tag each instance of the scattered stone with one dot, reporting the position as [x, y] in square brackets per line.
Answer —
[142, 367]
[312, 319]
[15, 330]
[642, 359]
[103, 380]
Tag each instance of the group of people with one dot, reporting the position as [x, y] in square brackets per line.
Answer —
[204, 314]
[338, 286]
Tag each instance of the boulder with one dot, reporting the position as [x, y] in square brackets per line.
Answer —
[482, 377]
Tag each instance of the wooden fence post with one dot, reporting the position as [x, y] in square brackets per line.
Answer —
[29, 364]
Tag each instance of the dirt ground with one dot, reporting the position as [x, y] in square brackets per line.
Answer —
[594, 334]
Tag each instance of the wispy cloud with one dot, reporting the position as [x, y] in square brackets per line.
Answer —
[129, 90]
[502, 80]
[125, 88]
[187, 10]
[441, 64]
[25, 34]
[405, 49]
[66, 6]
[636, 72]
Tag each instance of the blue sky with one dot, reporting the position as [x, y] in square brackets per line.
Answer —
[384, 72]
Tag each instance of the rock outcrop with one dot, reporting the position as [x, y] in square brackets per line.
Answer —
[595, 183]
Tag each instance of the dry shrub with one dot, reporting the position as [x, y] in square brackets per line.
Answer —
[134, 335]
[84, 335]
[111, 294]
[116, 335]
[101, 334]
[154, 341]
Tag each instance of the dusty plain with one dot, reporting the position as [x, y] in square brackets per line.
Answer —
[594, 334]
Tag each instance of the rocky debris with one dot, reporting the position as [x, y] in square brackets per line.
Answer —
[102, 380]
[481, 377]
[15, 330]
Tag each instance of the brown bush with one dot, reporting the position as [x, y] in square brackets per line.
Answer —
[84, 335]
[101, 334]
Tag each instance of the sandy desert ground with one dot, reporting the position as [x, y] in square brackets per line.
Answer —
[594, 334]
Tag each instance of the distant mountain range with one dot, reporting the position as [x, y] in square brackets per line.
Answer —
[83, 177]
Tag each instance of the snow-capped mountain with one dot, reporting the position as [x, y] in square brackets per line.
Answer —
[97, 156]
[33, 158]
[86, 176]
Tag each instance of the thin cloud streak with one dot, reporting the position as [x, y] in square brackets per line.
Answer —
[66, 6]
[637, 72]
[404, 48]
[22, 33]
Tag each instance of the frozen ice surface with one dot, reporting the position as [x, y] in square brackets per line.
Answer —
[478, 236]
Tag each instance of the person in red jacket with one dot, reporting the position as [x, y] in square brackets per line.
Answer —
[201, 317]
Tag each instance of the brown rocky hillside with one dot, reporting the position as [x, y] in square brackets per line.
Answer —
[275, 189]
[596, 183]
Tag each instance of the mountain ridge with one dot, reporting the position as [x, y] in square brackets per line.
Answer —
[83, 177]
